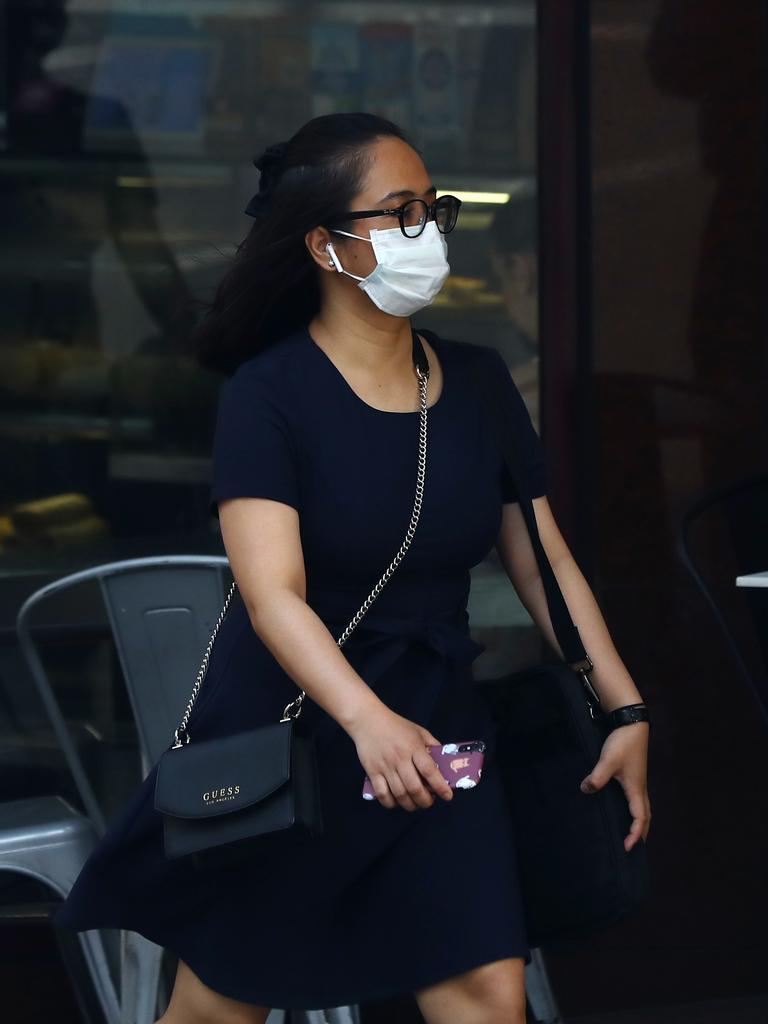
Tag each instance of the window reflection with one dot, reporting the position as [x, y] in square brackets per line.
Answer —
[125, 167]
[514, 259]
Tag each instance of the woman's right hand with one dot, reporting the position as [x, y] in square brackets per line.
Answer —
[393, 751]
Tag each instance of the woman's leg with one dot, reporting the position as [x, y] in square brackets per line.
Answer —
[192, 1002]
[493, 993]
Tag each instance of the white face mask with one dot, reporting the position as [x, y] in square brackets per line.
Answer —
[409, 272]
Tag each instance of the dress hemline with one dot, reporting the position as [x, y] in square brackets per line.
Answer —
[329, 1000]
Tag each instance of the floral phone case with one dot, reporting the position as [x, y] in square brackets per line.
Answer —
[460, 763]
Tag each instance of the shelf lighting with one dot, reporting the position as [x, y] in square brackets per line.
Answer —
[484, 198]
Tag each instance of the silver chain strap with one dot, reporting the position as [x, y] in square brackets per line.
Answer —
[288, 714]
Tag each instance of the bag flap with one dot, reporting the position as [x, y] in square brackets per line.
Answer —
[206, 778]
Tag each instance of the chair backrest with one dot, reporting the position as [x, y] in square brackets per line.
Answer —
[724, 533]
[161, 611]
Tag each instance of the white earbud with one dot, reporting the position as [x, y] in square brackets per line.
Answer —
[334, 260]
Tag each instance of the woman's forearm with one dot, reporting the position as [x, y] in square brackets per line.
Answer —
[303, 646]
[610, 677]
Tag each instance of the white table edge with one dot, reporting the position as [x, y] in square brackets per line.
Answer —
[753, 579]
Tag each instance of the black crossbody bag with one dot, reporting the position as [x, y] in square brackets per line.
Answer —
[576, 875]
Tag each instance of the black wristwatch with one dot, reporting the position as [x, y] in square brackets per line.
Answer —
[628, 714]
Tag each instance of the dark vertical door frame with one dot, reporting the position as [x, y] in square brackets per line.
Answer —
[565, 285]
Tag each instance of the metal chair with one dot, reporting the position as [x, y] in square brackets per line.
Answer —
[733, 518]
[45, 838]
[161, 611]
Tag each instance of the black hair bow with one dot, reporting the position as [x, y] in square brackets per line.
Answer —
[270, 164]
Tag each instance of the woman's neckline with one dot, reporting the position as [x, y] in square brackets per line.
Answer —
[437, 347]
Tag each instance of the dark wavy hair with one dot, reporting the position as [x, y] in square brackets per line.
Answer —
[272, 286]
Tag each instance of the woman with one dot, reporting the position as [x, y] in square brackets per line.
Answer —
[315, 454]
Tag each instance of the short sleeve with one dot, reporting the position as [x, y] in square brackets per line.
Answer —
[254, 454]
[529, 446]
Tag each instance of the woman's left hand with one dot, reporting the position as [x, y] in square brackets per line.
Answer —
[625, 756]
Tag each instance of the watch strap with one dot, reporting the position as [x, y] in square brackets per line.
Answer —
[628, 714]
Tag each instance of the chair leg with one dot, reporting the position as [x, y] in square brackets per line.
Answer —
[98, 967]
[538, 990]
[139, 978]
[335, 1015]
[344, 1015]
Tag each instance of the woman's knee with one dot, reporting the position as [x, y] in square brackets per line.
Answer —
[492, 993]
[193, 1002]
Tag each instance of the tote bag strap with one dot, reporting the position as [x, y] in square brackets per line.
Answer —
[498, 409]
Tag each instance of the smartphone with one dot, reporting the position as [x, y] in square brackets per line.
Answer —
[461, 764]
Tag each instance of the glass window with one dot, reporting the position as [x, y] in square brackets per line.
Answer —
[127, 131]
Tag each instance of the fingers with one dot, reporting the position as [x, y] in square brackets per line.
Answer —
[637, 799]
[597, 778]
[431, 773]
[635, 833]
[408, 788]
[405, 785]
[640, 809]
[381, 791]
[391, 791]
[411, 792]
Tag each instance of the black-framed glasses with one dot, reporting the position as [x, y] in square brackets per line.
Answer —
[414, 214]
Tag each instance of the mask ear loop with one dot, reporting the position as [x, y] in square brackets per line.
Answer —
[336, 262]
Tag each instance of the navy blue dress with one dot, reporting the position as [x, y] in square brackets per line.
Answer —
[384, 901]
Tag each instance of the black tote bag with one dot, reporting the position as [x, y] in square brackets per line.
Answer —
[576, 876]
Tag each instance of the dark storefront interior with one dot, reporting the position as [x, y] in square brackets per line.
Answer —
[612, 161]
[654, 380]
